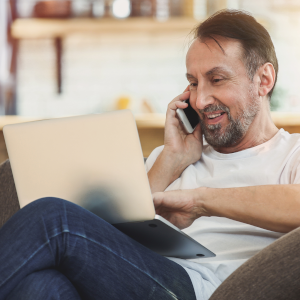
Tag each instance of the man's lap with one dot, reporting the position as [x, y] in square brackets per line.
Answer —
[97, 258]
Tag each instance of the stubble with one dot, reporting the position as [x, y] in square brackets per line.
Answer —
[219, 136]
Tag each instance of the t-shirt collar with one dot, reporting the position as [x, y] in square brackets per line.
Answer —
[209, 151]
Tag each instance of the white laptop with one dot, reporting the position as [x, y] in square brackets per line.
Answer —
[95, 161]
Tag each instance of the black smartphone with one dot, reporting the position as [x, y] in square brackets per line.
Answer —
[188, 117]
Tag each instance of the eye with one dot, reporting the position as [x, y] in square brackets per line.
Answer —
[216, 80]
[193, 84]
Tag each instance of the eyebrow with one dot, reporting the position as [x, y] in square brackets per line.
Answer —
[211, 71]
[190, 76]
[216, 70]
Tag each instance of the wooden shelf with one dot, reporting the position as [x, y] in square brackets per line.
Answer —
[282, 119]
[34, 28]
[7, 120]
[151, 128]
[157, 121]
[150, 121]
[153, 121]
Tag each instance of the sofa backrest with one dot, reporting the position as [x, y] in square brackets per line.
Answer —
[9, 203]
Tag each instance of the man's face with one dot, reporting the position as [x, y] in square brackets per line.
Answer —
[225, 98]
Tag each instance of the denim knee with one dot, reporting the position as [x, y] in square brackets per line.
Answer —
[46, 204]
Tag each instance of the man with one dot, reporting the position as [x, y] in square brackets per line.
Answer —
[246, 176]
[236, 194]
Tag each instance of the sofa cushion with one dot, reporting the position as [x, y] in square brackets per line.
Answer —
[9, 203]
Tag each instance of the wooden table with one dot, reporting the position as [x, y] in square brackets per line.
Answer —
[151, 128]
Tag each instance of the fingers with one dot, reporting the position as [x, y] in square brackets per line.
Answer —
[177, 104]
[178, 101]
[184, 96]
[187, 88]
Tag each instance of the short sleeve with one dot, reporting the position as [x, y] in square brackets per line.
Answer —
[295, 171]
[152, 158]
[291, 172]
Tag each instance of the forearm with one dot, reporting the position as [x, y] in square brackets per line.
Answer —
[272, 207]
[165, 170]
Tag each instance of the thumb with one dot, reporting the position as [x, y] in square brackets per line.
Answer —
[158, 198]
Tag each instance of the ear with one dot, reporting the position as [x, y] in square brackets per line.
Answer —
[267, 77]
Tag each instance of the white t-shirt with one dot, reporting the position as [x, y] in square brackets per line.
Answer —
[275, 162]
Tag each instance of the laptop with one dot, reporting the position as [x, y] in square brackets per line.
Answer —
[95, 161]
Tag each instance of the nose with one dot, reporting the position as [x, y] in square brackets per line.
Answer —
[204, 97]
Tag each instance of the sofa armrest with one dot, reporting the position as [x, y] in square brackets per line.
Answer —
[9, 203]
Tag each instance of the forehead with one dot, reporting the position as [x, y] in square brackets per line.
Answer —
[204, 55]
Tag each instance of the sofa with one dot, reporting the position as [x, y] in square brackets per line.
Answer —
[9, 203]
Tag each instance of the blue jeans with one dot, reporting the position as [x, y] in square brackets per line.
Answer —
[54, 249]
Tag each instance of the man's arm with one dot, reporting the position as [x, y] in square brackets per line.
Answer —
[165, 170]
[272, 207]
[180, 148]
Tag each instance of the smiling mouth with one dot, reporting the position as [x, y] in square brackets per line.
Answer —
[215, 115]
[215, 118]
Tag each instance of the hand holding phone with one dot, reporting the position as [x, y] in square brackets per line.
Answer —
[180, 148]
[188, 117]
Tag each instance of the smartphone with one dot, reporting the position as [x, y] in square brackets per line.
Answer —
[188, 117]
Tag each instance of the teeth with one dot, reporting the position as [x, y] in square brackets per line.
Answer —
[213, 116]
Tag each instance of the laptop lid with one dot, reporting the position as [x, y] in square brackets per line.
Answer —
[83, 159]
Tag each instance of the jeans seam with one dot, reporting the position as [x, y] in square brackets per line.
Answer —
[171, 293]
[76, 234]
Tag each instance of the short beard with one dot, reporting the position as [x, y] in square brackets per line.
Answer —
[230, 135]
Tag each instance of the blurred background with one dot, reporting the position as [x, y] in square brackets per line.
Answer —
[61, 57]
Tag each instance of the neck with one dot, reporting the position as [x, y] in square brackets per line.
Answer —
[260, 131]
